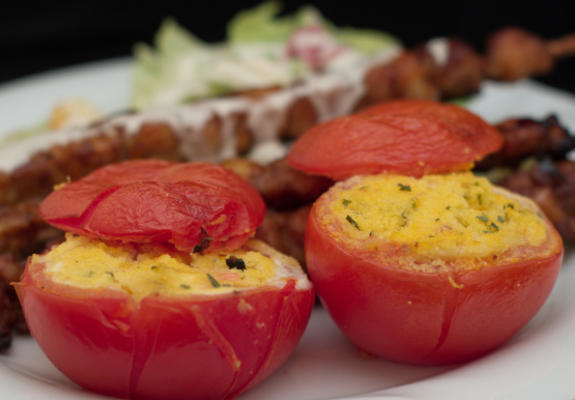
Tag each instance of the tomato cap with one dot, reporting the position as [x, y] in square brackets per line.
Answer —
[407, 137]
[192, 206]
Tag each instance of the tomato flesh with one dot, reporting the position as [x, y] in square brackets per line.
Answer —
[180, 347]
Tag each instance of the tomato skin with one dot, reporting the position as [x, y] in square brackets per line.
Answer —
[154, 201]
[423, 318]
[192, 347]
[406, 137]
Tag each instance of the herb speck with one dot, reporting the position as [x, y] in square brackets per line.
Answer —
[352, 222]
[483, 218]
[213, 281]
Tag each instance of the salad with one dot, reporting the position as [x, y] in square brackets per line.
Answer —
[262, 50]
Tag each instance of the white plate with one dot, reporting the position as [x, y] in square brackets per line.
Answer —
[537, 363]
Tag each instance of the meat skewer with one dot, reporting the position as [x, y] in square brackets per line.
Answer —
[219, 129]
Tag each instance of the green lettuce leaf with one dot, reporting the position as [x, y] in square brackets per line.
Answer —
[260, 24]
[159, 67]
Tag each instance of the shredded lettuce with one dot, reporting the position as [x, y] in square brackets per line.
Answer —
[260, 24]
[171, 69]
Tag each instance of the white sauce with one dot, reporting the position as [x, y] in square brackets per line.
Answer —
[439, 49]
[267, 152]
[332, 95]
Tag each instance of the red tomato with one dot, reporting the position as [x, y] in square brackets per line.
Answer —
[423, 317]
[408, 137]
[159, 201]
[167, 347]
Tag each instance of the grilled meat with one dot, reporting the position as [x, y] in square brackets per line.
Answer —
[526, 137]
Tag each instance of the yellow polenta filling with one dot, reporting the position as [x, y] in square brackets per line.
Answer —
[92, 264]
[447, 216]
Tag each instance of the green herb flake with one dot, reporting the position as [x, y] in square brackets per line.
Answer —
[403, 215]
[404, 188]
[111, 274]
[184, 286]
[213, 281]
[483, 218]
[448, 208]
[509, 205]
[352, 222]
[494, 226]
[346, 202]
[500, 218]
[479, 199]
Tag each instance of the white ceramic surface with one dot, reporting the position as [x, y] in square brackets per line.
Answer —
[538, 363]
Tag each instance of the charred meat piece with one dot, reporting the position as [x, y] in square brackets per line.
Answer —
[514, 53]
[285, 231]
[403, 78]
[526, 137]
[453, 66]
[22, 231]
[282, 187]
[552, 186]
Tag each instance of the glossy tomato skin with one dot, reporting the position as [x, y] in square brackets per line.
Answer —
[156, 201]
[402, 137]
[425, 318]
[197, 347]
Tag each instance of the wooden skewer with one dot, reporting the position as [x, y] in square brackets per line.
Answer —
[562, 47]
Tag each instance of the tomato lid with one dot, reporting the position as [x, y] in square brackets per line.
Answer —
[193, 206]
[408, 137]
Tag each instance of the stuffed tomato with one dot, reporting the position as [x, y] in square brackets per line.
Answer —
[441, 271]
[422, 262]
[138, 316]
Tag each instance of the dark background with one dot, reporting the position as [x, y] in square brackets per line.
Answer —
[35, 38]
